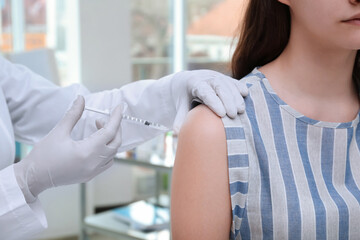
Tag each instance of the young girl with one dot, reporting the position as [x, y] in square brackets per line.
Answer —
[289, 167]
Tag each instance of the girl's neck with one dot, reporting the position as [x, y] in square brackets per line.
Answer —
[315, 79]
[313, 70]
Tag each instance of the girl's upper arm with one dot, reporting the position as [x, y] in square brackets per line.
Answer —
[200, 198]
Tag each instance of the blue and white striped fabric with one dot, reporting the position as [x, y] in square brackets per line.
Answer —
[291, 177]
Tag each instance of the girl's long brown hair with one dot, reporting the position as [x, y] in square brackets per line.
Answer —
[263, 35]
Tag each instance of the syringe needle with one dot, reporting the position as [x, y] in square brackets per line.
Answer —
[132, 119]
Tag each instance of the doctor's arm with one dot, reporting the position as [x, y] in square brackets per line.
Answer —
[36, 105]
[167, 101]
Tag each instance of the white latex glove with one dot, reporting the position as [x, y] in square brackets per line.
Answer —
[221, 93]
[58, 160]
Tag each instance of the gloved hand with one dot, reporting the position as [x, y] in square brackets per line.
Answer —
[58, 160]
[221, 93]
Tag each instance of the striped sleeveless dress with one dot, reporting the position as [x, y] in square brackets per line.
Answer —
[291, 177]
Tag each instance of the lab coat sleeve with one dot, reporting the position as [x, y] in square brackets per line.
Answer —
[150, 100]
[18, 219]
[35, 104]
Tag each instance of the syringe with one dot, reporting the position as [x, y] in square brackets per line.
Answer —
[131, 119]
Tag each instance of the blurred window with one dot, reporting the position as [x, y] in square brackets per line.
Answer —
[150, 39]
[35, 24]
[6, 26]
[210, 33]
[210, 27]
[31, 24]
[34, 32]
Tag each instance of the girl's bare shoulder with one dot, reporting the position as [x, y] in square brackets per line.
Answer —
[204, 123]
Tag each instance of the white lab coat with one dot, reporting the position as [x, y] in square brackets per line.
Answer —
[30, 106]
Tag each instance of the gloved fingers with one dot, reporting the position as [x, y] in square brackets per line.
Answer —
[229, 98]
[228, 90]
[106, 152]
[236, 92]
[72, 116]
[101, 167]
[240, 104]
[107, 165]
[208, 96]
[116, 142]
[183, 109]
[243, 89]
[100, 123]
[107, 155]
[106, 134]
